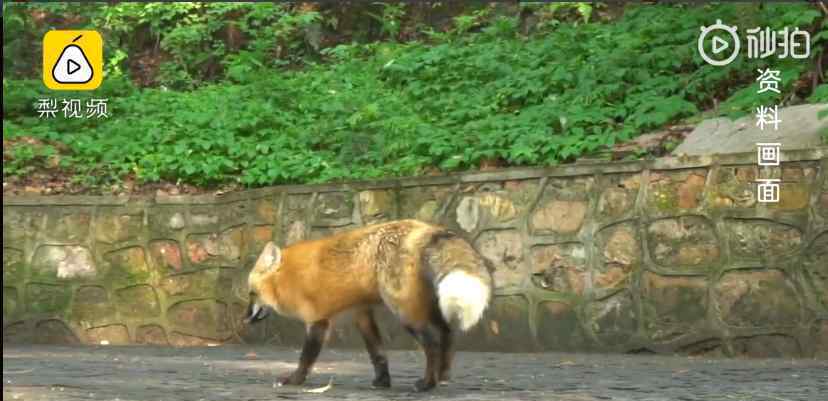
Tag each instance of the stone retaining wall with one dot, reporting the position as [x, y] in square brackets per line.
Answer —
[668, 255]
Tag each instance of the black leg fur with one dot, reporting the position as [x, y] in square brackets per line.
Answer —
[314, 338]
[446, 349]
[429, 339]
[373, 343]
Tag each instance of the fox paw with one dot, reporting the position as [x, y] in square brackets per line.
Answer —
[423, 385]
[444, 378]
[292, 379]
[381, 382]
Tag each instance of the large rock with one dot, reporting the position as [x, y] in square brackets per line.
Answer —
[800, 128]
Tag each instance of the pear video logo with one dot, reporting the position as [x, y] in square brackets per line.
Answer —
[72, 60]
[72, 67]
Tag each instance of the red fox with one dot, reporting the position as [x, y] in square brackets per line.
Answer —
[429, 277]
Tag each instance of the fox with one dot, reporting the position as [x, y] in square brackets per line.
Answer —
[431, 279]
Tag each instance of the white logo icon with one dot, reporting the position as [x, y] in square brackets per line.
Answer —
[719, 44]
[72, 67]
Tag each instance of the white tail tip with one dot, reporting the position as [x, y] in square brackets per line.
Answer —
[463, 298]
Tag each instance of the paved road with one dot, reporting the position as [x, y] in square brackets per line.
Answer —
[233, 373]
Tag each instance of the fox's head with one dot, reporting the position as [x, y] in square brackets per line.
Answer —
[268, 264]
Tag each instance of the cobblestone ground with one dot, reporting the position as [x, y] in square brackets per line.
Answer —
[240, 373]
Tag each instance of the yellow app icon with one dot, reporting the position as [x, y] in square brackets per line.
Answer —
[72, 60]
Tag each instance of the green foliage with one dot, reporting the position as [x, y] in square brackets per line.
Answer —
[390, 19]
[191, 39]
[479, 91]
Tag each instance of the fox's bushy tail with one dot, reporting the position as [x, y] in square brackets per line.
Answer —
[463, 298]
[462, 281]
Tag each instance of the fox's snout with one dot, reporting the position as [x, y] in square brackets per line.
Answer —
[255, 313]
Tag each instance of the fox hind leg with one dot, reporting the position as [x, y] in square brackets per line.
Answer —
[446, 349]
[429, 338]
[373, 343]
[314, 338]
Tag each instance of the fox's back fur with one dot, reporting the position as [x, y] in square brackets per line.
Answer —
[410, 266]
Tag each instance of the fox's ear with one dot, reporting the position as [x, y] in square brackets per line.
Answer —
[270, 258]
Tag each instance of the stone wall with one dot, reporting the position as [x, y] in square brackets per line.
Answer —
[668, 255]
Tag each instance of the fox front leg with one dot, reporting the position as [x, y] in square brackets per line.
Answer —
[314, 337]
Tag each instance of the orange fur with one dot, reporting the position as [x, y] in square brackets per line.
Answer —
[383, 263]
[426, 275]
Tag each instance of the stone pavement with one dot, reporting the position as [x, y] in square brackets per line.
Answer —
[241, 373]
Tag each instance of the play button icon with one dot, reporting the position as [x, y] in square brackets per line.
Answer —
[72, 67]
[719, 45]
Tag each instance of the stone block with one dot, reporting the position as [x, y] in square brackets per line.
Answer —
[205, 218]
[204, 318]
[377, 205]
[116, 334]
[21, 223]
[733, 187]
[762, 240]
[128, 265]
[166, 221]
[766, 346]
[17, 333]
[333, 206]
[560, 268]
[216, 249]
[492, 206]
[819, 336]
[683, 243]
[113, 226]
[13, 266]
[323, 232]
[822, 204]
[504, 248]
[177, 339]
[558, 217]
[613, 320]
[197, 284]
[425, 203]
[166, 255]
[675, 191]
[708, 348]
[138, 302]
[759, 298]
[232, 214]
[54, 331]
[793, 196]
[815, 262]
[46, 298]
[68, 227]
[259, 236]
[92, 307]
[559, 328]
[619, 252]
[151, 335]
[11, 303]
[296, 231]
[63, 262]
[504, 327]
[266, 210]
[673, 305]
[618, 198]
